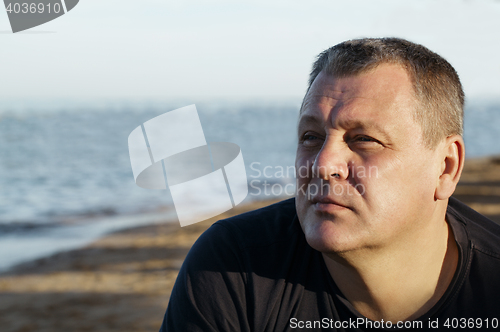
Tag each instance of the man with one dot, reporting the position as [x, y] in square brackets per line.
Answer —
[372, 239]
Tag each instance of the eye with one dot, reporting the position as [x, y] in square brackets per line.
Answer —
[310, 139]
[364, 142]
[364, 139]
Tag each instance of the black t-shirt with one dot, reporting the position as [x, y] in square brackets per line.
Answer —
[256, 272]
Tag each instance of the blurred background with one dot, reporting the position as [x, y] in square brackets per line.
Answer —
[73, 89]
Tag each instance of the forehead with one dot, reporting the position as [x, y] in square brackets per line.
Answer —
[378, 95]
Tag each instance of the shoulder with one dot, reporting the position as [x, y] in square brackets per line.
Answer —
[220, 266]
[227, 239]
[259, 227]
[479, 239]
[483, 233]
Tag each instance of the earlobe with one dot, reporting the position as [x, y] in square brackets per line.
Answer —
[453, 157]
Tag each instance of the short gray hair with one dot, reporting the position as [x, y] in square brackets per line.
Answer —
[435, 82]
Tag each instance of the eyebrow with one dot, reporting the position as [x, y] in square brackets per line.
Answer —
[305, 120]
[308, 119]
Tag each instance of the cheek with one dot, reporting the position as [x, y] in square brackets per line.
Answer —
[382, 180]
[303, 169]
[372, 170]
[394, 181]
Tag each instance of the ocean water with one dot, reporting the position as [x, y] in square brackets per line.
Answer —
[66, 178]
[65, 174]
[65, 164]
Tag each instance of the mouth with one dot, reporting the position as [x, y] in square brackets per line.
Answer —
[327, 204]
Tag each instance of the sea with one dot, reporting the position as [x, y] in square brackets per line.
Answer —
[66, 177]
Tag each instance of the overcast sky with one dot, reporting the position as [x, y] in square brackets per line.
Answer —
[167, 49]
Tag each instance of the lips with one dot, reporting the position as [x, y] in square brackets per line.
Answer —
[327, 204]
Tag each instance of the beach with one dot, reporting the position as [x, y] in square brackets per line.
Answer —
[122, 281]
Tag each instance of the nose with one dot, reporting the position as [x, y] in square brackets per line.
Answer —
[331, 162]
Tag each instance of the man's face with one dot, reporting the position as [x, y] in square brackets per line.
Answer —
[364, 176]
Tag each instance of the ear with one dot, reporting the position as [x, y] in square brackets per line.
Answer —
[453, 157]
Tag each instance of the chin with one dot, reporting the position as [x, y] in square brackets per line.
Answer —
[327, 246]
[327, 237]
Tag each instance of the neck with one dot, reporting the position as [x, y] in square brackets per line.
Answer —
[401, 282]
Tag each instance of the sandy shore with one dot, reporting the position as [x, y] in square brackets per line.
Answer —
[122, 282]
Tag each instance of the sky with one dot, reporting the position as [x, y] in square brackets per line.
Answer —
[248, 50]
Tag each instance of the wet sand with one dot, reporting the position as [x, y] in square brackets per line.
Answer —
[122, 282]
